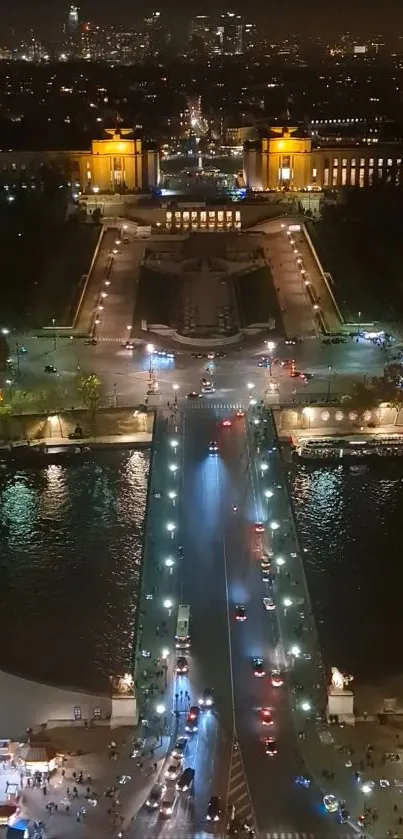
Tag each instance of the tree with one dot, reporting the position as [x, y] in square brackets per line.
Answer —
[90, 391]
[5, 414]
[380, 391]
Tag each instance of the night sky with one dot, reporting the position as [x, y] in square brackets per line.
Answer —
[362, 17]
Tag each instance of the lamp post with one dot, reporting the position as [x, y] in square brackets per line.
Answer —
[329, 372]
[175, 388]
[270, 346]
[54, 334]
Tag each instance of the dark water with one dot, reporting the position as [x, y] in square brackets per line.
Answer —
[352, 525]
[70, 548]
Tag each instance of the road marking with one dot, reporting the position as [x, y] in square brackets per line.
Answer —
[238, 792]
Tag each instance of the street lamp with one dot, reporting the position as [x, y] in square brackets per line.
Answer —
[274, 525]
[250, 385]
[264, 467]
[171, 527]
[270, 346]
[287, 602]
[295, 651]
[54, 334]
[174, 444]
[164, 653]
[168, 605]
[172, 495]
[268, 493]
[306, 706]
[173, 467]
[160, 708]
[5, 331]
[175, 388]
[169, 563]
[280, 561]
[150, 349]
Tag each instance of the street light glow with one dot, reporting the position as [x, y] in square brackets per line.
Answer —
[305, 705]
[165, 653]
[168, 604]
[174, 444]
[280, 561]
[295, 651]
[175, 387]
[150, 348]
[170, 527]
[169, 562]
[160, 708]
[274, 525]
[173, 467]
[172, 494]
[287, 602]
[250, 385]
[5, 331]
[268, 493]
[366, 789]
[264, 467]
[270, 345]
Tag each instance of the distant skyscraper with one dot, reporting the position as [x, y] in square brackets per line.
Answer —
[72, 20]
[230, 30]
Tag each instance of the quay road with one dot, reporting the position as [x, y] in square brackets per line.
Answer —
[220, 568]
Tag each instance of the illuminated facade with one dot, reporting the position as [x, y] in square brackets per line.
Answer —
[117, 164]
[203, 218]
[286, 161]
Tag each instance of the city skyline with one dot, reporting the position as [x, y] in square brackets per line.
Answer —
[363, 18]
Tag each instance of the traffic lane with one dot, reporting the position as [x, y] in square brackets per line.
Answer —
[203, 568]
[204, 584]
[189, 809]
[257, 637]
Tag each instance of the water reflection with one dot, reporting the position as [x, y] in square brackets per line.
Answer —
[70, 548]
[352, 526]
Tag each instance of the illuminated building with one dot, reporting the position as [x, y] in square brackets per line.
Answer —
[229, 32]
[287, 160]
[117, 164]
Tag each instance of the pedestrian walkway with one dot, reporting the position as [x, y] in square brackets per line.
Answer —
[238, 789]
[210, 405]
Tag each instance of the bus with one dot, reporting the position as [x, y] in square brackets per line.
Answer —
[182, 635]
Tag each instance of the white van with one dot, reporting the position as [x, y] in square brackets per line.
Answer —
[182, 635]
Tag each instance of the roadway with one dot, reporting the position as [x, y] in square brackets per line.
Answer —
[219, 569]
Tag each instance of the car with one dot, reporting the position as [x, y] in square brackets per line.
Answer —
[92, 342]
[296, 374]
[168, 802]
[276, 678]
[214, 809]
[213, 447]
[266, 575]
[258, 667]
[240, 414]
[303, 781]
[331, 803]
[182, 665]
[208, 388]
[192, 395]
[287, 362]
[186, 780]
[291, 341]
[259, 527]
[173, 769]
[22, 350]
[270, 746]
[221, 354]
[211, 356]
[227, 423]
[262, 363]
[240, 613]
[269, 604]
[179, 747]
[307, 375]
[192, 719]
[265, 563]
[50, 368]
[128, 345]
[266, 716]
[155, 796]
[207, 698]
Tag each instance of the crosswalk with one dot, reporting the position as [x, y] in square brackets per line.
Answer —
[210, 405]
[285, 835]
[238, 789]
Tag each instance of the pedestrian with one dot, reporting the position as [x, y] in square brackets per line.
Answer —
[63, 773]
